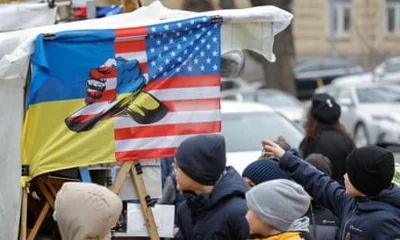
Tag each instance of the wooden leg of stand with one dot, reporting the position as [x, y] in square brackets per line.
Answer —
[39, 221]
[45, 192]
[121, 176]
[137, 179]
[24, 215]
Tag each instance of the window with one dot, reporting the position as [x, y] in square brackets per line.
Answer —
[339, 16]
[392, 16]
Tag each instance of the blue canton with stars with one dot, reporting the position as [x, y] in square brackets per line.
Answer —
[184, 48]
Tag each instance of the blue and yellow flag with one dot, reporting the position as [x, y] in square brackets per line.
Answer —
[101, 96]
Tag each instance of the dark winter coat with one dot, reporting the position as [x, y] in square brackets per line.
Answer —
[217, 215]
[324, 224]
[333, 145]
[361, 218]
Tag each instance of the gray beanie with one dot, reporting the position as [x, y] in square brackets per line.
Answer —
[278, 203]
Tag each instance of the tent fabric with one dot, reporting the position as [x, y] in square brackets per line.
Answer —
[26, 15]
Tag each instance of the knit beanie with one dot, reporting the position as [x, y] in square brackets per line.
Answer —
[278, 203]
[320, 162]
[265, 169]
[202, 157]
[370, 169]
[325, 109]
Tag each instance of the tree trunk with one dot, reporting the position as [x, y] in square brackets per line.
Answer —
[198, 5]
[279, 75]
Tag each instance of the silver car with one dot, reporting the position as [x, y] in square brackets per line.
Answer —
[370, 111]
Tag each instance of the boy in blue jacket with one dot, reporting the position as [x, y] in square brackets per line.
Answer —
[368, 206]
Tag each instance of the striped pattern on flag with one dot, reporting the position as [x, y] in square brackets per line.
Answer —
[193, 98]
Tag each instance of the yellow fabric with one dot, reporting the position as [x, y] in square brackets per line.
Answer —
[48, 145]
[282, 236]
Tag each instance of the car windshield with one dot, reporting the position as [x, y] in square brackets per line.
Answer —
[274, 99]
[244, 131]
[381, 94]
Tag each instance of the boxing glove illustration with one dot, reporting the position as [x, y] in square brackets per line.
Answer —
[101, 101]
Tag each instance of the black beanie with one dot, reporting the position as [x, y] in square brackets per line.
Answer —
[325, 109]
[263, 170]
[202, 157]
[370, 169]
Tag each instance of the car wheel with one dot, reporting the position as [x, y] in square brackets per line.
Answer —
[361, 138]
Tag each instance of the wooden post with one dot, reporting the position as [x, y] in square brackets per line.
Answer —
[24, 215]
[134, 169]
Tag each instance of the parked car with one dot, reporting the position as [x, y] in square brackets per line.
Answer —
[244, 125]
[370, 111]
[319, 72]
[388, 71]
[282, 102]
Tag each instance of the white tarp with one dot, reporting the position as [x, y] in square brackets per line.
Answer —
[16, 16]
[252, 28]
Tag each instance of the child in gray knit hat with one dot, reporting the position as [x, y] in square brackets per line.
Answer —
[273, 206]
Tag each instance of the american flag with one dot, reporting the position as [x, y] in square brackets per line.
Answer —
[181, 61]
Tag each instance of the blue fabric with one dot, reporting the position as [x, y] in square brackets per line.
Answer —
[361, 218]
[218, 215]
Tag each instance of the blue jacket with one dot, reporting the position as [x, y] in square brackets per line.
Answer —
[218, 215]
[361, 218]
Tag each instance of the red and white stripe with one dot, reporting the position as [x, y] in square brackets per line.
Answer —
[193, 103]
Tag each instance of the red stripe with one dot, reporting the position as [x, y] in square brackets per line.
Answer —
[143, 66]
[130, 46]
[185, 82]
[85, 118]
[167, 130]
[130, 32]
[145, 154]
[193, 104]
[108, 95]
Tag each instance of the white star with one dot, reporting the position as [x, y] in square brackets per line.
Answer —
[196, 61]
[165, 74]
[165, 48]
[164, 35]
[215, 26]
[208, 46]
[186, 29]
[173, 54]
[171, 40]
[184, 63]
[153, 29]
[192, 43]
[197, 48]
[153, 63]
[178, 34]
[203, 40]
[184, 39]
[151, 36]
[158, 42]
[159, 55]
[215, 53]
[191, 31]
[208, 33]
[154, 76]
[197, 36]
[179, 24]
[179, 46]
[198, 26]
[208, 60]
[192, 21]
[215, 67]
[178, 69]
[166, 60]
[190, 68]
[179, 59]
[204, 19]
[191, 55]
[185, 51]
[202, 67]
[160, 68]
[152, 50]
[173, 65]
[166, 27]
[215, 39]
[203, 29]
[202, 53]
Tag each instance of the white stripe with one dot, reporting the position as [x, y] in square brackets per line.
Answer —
[130, 38]
[140, 56]
[111, 83]
[186, 93]
[150, 143]
[173, 118]
[94, 108]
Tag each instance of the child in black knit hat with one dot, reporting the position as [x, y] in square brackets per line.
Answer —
[368, 206]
